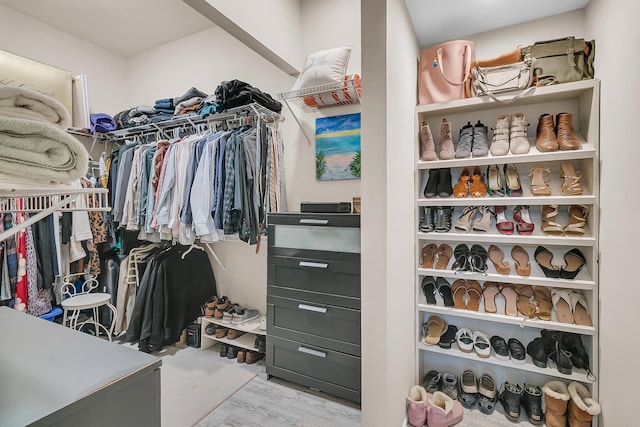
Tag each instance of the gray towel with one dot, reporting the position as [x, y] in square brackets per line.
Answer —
[40, 152]
[21, 103]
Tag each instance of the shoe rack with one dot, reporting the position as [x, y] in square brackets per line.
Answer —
[245, 341]
[581, 99]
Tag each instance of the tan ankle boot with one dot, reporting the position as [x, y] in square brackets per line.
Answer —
[567, 139]
[546, 135]
[427, 145]
[582, 407]
[556, 398]
[447, 150]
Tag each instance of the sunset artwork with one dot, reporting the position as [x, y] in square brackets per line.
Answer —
[338, 147]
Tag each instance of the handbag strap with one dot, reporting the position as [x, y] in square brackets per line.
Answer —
[467, 65]
[510, 100]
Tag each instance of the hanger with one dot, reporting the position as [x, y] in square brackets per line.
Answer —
[193, 245]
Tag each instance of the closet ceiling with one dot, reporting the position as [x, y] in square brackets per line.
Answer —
[437, 21]
[125, 27]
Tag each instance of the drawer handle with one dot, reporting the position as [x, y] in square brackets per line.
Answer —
[313, 264]
[312, 308]
[312, 352]
[314, 221]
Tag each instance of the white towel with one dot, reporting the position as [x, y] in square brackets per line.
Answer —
[21, 103]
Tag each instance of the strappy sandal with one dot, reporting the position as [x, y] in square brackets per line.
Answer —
[543, 257]
[512, 181]
[521, 216]
[561, 300]
[443, 256]
[503, 225]
[549, 224]
[489, 293]
[474, 295]
[521, 260]
[580, 309]
[428, 255]
[483, 225]
[577, 220]
[461, 256]
[572, 185]
[460, 294]
[495, 182]
[508, 291]
[477, 187]
[461, 189]
[478, 259]
[542, 298]
[539, 177]
[525, 307]
[463, 224]
[496, 255]
[442, 219]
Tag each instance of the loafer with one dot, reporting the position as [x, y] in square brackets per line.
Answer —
[517, 350]
[432, 381]
[510, 400]
[499, 346]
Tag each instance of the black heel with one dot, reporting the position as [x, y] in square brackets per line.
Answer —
[543, 257]
[574, 260]
[431, 189]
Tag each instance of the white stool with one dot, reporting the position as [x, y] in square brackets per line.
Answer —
[83, 300]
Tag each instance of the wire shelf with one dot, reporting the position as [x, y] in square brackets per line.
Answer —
[330, 95]
[31, 201]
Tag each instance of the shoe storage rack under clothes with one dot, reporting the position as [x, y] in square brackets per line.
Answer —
[313, 301]
[581, 99]
[251, 329]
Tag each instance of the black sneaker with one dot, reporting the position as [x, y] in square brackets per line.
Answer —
[510, 400]
[532, 402]
[432, 381]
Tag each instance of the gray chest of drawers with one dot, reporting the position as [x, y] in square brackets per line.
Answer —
[313, 301]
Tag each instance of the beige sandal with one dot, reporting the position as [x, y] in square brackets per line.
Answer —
[508, 291]
[521, 260]
[463, 224]
[580, 309]
[496, 255]
[577, 220]
[549, 225]
[542, 298]
[484, 223]
[572, 185]
[489, 293]
[539, 177]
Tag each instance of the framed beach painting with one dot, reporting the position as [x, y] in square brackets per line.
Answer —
[338, 147]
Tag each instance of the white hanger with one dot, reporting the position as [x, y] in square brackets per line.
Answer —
[193, 245]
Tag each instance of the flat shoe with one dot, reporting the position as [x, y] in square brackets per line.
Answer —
[510, 295]
[489, 293]
[461, 256]
[481, 344]
[444, 254]
[460, 294]
[521, 260]
[543, 257]
[436, 327]
[580, 309]
[464, 339]
[444, 289]
[429, 289]
[448, 337]
[517, 350]
[574, 260]
[500, 347]
[496, 255]
[525, 293]
[561, 300]
[474, 294]
[428, 255]
[542, 298]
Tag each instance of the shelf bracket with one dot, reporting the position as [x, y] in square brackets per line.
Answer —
[298, 122]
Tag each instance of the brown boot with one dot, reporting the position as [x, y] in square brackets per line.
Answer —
[556, 398]
[582, 407]
[427, 145]
[546, 135]
[447, 150]
[567, 139]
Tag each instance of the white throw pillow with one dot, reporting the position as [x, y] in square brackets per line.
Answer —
[324, 67]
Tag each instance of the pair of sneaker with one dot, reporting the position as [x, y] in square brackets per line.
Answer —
[437, 409]
[510, 135]
[482, 391]
[472, 140]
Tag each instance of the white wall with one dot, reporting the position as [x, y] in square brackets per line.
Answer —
[106, 71]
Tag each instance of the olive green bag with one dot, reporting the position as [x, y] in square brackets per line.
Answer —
[561, 60]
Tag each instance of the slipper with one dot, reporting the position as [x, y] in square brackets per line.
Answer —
[481, 344]
[542, 297]
[444, 254]
[489, 293]
[448, 337]
[510, 296]
[580, 309]
[521, 260]
[525, 293]
[429, 289]
[496, 255]
[474, 294]
[459, 294]
[428, 255]
[561, 300]
[444, 289]
[436, 327]
[464, 339]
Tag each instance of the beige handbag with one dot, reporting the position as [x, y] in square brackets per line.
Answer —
[503, 78]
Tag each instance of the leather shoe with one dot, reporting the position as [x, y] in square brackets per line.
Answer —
[253, 357]
[567, 139]
[431, 189]
[546, 139]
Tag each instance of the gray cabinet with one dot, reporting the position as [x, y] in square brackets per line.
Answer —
[313, 301]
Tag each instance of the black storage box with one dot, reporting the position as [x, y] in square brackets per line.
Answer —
[325, 207]
[193, 335]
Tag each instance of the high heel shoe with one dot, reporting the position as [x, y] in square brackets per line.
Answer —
[463, 224]
[549, 224]
[543, 257]
[427, 217]
[572, 185]
[577, 220]
[483, 225]
[461, 189]
[431, 188]
[477, 187]
[539, 178]
[521, 216]
[574, 260]
[503, 225]
[495, 183]
[512, 181]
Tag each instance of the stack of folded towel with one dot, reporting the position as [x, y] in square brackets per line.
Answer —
[34, 144]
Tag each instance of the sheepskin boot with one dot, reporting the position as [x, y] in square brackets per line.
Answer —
[582, 407]
[443, 411]
[556, 398]
[447, 149]
[427, 145]
[417, 406]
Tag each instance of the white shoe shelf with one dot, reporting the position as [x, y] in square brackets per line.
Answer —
[581, 99]
[246, 341]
